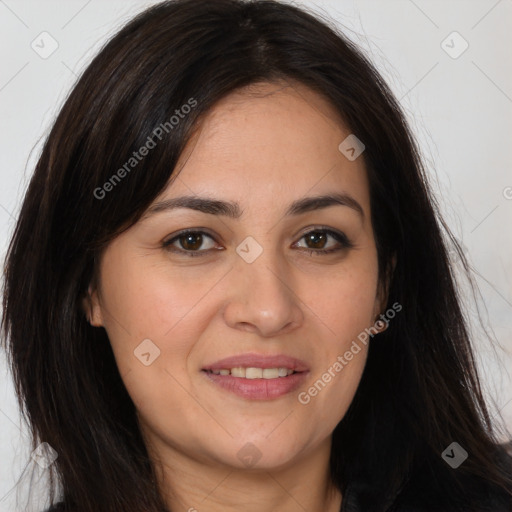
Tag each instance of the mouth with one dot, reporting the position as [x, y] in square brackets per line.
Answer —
[254, 372]
[257, 377]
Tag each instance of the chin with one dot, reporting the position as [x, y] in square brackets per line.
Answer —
[256, 452]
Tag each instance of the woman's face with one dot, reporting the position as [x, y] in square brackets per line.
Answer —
[249, 283]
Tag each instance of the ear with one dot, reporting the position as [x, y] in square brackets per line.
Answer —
[383, 288]
[91, 307]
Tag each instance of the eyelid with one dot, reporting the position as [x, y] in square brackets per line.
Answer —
[339, 236]
[168, 241]
[181, 232]
[320, 227]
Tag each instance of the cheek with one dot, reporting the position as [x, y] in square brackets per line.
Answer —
[344, 308]
[157, 390]
[168, 307]
[344, 301]
[142, 300]
[330, 392]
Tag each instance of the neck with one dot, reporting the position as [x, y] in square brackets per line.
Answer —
[197, 486]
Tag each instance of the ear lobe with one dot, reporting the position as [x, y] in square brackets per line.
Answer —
[393, 266]
[389, 278]
[386, 285]
[92, 308]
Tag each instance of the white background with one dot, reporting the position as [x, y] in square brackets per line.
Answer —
[460, 109]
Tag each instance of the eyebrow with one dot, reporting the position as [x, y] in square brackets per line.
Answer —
[233, 210]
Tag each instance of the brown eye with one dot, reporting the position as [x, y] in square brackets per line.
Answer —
[189, 243]
[317, 240]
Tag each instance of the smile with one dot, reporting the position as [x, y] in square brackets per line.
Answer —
[254, 373]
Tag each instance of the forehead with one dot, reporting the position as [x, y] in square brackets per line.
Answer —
[267, 142]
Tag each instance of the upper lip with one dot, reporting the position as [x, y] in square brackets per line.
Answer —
[259, 361]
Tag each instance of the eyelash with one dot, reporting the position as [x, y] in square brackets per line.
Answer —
[341, 238]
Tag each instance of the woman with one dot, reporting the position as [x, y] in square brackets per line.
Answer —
[229, 288]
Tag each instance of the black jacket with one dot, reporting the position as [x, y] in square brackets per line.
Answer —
[421, 494]
[496, 503]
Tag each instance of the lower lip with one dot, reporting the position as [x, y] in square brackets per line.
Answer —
[258, 389]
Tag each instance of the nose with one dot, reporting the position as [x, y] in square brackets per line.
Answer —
[262, 299]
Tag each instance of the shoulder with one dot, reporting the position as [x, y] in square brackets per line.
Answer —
[434, 489]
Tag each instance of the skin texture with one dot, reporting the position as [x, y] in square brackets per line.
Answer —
[264, 147]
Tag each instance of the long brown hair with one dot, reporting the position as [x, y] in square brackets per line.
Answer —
[420, 389]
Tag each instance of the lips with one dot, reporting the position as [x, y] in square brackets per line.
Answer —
[256, 376]
[259, 361]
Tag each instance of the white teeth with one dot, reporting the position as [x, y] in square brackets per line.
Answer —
[254, 373]
[270, 373]
[238, 372]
